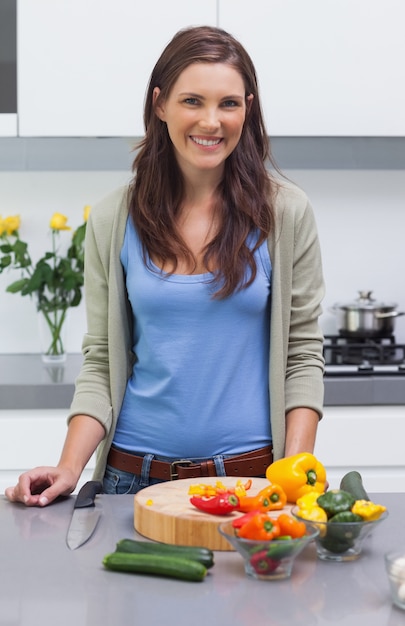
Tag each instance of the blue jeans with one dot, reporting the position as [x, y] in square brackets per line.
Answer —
[118, 482]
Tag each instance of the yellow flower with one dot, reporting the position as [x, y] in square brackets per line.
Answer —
[56, 280]
[86, 212]
[58, 222]
[10, 224]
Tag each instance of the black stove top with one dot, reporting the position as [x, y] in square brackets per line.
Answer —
[347, 355]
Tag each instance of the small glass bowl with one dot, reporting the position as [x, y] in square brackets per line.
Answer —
[340, 541]
[267, 560]
[395, 566]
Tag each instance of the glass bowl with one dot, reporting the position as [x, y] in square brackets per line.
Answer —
[395, 566]
[267, 560]
[340, 541]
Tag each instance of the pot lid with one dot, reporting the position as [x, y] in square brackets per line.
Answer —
[366, 302]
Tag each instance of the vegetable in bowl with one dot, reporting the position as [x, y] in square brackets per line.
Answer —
[268, 545]
[342, 521]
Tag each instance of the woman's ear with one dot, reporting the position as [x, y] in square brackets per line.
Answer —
[159, 109]
[249, 101]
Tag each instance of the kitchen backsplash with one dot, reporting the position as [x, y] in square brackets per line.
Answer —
[360, 216]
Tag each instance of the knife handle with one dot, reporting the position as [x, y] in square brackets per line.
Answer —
[87, 494]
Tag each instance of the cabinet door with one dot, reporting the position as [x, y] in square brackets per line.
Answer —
[44, 433]
[8, 124]
[368, 439]
[330, 68]
[83, 66]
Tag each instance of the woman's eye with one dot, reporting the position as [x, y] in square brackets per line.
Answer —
[230, 103]
[191, 101]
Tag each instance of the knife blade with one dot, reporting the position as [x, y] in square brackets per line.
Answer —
[85, 515]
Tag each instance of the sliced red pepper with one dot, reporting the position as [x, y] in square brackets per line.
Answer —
[239, 488]
[222, 504]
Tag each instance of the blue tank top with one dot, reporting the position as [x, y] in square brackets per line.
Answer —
[199, 385]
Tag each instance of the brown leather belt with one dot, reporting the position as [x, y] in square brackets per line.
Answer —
[248, 464]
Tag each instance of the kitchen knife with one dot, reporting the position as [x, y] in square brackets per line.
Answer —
[85, 515]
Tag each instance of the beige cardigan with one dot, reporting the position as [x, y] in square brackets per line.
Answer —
[296, 361]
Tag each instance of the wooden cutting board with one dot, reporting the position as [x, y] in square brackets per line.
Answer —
[164, 513]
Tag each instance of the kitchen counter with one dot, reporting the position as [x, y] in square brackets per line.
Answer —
[27, 383]
[42, 581]
[367, 390]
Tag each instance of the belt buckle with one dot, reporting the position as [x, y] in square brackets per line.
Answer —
[173, 474]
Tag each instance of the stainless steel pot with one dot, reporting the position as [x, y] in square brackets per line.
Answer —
[365, 317]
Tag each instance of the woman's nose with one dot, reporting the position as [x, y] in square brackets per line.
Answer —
[210, 119]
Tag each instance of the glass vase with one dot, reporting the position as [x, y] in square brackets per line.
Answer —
[53, 326]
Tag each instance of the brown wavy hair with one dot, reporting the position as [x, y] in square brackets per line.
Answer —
[243, 197]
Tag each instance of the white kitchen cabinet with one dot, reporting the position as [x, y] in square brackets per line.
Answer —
[83, 66]
[325, 68]
[8, 124]
[369, 439]
[330, 68]
[29, 438]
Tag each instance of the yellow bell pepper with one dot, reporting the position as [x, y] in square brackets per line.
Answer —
[369, 511]
[297, 475]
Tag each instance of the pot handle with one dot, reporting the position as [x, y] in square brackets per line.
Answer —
[382, 316]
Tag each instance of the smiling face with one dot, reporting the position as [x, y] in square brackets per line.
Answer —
[204, 113]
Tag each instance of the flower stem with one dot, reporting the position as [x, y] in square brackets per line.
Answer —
[55, 325]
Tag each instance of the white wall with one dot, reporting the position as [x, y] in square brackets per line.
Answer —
[35, 196]
[360, 215]
[361, 223]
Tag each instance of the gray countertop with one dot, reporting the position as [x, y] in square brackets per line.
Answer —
[27, 383]
[43, 582]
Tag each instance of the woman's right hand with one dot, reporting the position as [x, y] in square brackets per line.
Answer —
[42, 485]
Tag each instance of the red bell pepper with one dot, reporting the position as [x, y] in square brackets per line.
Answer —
[238, 522]
[222, 504]
[262, 563]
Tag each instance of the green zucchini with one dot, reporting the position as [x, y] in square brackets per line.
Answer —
[155, 564]
[194, 553]
[352, 482]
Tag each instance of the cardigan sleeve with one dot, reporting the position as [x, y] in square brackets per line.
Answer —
[296, 341]
[305, 362]
[92, 393]
[107, 345]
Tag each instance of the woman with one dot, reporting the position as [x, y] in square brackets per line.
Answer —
[197, 272]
